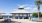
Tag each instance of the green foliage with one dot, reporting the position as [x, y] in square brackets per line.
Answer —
[37, 2]
[36, 15]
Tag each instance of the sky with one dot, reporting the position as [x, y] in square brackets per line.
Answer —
[9, 6]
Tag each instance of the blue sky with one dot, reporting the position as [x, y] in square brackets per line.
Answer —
[8, 6]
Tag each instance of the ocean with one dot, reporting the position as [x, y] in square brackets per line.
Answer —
[7, 16]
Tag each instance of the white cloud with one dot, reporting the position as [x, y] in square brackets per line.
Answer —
[25, 5]
[14, 9]
[34, 9]
[28, 8]
[7, 13]
[31, 8]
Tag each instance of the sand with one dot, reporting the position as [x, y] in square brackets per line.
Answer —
[1, 20]
[24, 21]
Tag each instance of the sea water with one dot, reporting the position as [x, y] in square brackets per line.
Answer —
[6, 16]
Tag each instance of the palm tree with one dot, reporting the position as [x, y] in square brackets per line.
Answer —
[38, 2]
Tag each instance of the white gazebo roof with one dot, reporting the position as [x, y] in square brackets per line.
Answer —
[20, 10]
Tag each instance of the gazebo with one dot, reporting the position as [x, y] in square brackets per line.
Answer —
[20, 13]
[1, 14]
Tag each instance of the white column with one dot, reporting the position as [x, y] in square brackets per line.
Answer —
[18, 15]
[13, 16]
[22, 16]
[8, 17]
[0, 16]
[29, 16]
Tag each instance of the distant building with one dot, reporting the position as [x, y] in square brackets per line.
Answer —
[1, 17]
[20, 14]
